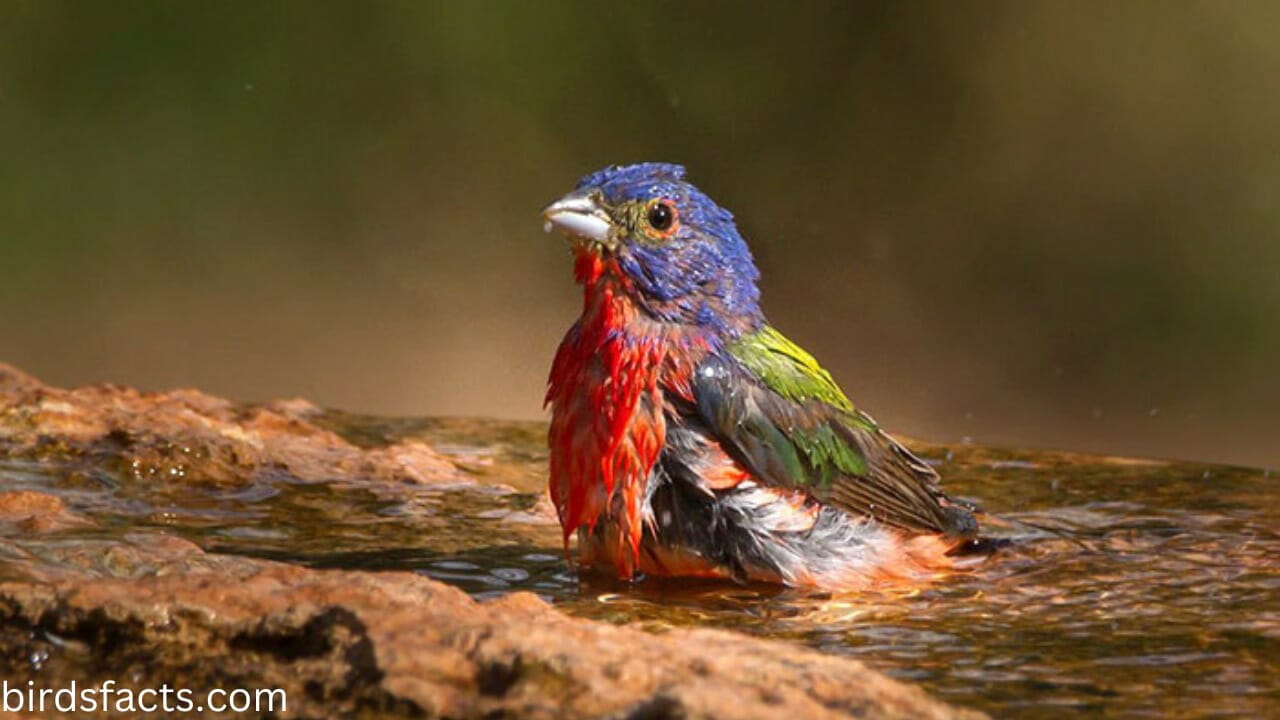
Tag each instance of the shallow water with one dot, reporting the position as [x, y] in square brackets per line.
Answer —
[1131, 588]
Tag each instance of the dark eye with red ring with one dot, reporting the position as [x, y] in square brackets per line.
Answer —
[662, 216]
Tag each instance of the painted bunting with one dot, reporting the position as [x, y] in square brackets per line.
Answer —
[689, 437]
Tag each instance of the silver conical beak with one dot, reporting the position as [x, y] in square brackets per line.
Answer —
[578, 216]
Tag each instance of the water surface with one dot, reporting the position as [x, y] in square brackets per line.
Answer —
[1131, 588]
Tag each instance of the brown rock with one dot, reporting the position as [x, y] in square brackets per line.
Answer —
[397, 644]
[33, 512]
[188, 436]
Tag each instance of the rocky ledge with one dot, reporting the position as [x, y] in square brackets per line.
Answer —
[190, 436]
[146, 608]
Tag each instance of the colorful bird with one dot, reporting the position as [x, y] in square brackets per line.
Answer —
[689, 437]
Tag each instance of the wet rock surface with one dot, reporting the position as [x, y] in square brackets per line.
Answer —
[23, 511]
[116, 496]
[189, 436]
[341, 643]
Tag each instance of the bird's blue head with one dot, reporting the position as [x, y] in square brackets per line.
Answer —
[679, 250]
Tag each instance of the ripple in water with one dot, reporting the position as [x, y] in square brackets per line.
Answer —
[1131, 589]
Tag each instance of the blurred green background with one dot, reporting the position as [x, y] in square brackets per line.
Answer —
[1030, 223]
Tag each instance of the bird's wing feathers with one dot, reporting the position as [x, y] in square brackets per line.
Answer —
[776, 411]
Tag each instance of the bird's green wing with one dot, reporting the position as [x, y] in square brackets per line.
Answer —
[778, 413]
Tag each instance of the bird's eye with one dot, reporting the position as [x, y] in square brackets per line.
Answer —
[661, 217]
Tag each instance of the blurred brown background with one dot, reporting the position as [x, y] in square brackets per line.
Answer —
[1044, 224]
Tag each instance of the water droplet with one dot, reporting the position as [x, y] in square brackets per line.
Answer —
[511, 574]
[455, 565]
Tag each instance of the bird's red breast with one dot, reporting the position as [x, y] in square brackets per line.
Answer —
[607, 392]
